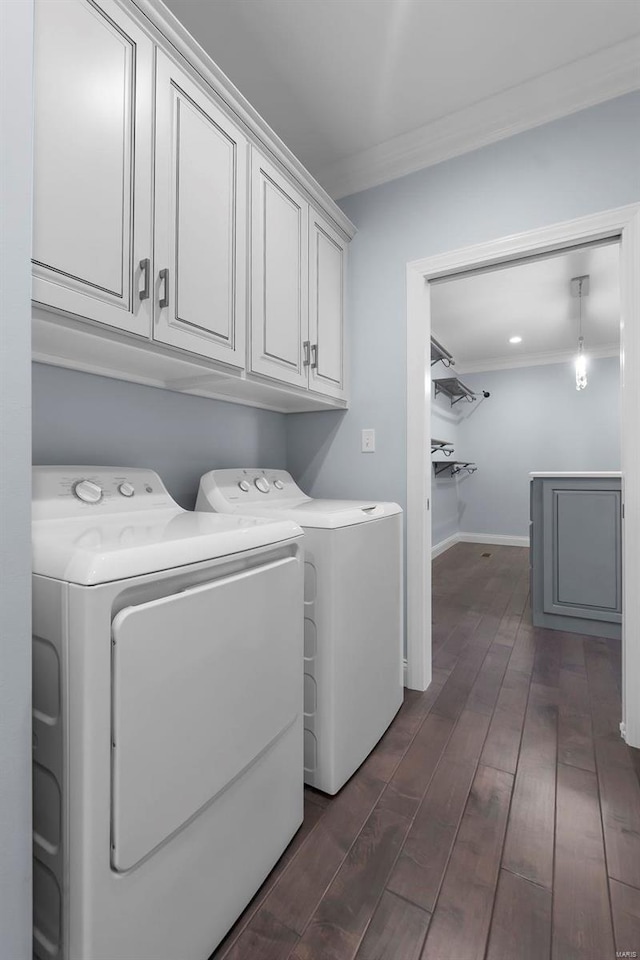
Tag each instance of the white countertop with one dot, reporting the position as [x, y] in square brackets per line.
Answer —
[578, 473]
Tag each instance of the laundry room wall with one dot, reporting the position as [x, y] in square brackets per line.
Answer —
[84, 419]
[572, 167]
[535, 419]
[16, 56]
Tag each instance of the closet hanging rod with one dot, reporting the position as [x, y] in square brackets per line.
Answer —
[456, 390]
[455, 466]
[441, 446]
[440, 354]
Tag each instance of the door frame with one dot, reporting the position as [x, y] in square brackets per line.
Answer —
[623, 223]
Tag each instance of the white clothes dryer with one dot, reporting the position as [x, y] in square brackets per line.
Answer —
[353, 612]
[167, 715]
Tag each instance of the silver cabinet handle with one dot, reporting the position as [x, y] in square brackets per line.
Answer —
[145, 266]
[164, 278]
[314, 354]
[305, 347]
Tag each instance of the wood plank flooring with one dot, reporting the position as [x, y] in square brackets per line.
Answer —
[498, 817]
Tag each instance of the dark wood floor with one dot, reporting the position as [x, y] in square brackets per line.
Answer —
[498, 818]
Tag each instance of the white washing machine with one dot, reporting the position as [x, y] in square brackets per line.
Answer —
[353, 676]
[167, 715]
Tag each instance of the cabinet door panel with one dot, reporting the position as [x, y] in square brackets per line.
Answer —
[326, 308]
[201, 188]
[93, 77]
[582, 563]
[279, 283]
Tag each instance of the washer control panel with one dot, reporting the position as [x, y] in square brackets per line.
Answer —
[249, 486]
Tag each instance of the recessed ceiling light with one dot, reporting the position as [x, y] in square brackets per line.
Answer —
[515, 339]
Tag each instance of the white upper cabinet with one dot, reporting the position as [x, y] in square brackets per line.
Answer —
[279, 275]
[168, 248]
[93, 163]
[200, 221]
[327, 268]
[297, 287]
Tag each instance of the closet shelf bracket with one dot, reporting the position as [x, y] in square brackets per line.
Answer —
[454, 466]
[441, 446]
[440, 354]
[456, 390]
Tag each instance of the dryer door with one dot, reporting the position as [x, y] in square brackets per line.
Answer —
[204, 682]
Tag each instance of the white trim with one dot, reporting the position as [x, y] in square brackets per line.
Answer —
[623, 730]
[404, 672]
[444, 545]
[535, 359]
[593, 79]
[625, 223]
[497, 539]
[630, 434]
[418, 482]
[163, 21]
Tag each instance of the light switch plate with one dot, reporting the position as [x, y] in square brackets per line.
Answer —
[369, 441]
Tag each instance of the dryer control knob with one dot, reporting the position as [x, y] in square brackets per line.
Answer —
[87, 491]
[126, 489]
[244, 486]
[278, 484]
[262, 484]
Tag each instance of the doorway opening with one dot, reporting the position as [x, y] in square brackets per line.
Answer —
[511, 400]
[620, 227]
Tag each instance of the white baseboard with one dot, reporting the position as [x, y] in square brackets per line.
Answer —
[497, 539]
[439, 548]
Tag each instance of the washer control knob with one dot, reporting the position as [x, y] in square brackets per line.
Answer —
[244, 486]
[126, 489]
[262, 484]
[87, 491]
[278, 484]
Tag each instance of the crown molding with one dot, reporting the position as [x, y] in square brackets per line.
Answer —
[535, 359]
[583, 83]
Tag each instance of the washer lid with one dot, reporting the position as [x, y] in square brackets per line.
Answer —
[325, 514]
[121, 546]
[274, 493]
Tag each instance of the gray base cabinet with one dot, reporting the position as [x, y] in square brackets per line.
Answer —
[576, 554]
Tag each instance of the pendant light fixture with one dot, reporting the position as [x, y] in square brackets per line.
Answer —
[580, 289]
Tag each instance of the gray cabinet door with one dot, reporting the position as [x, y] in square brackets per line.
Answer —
[576, 554]
[582, 551]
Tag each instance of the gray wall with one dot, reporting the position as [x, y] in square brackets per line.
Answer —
[575, 166]
[84, 419]
[16, 45]
[535, 419]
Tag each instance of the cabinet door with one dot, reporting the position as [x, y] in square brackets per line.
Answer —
[200, 221]
[93, 163]
[279, 275]
[327, 261]
[582, 549]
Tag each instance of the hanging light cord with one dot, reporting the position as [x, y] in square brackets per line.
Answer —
[580, 337]
[581, 369]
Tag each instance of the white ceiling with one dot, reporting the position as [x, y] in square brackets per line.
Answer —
[474, 316]
[336, 79]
